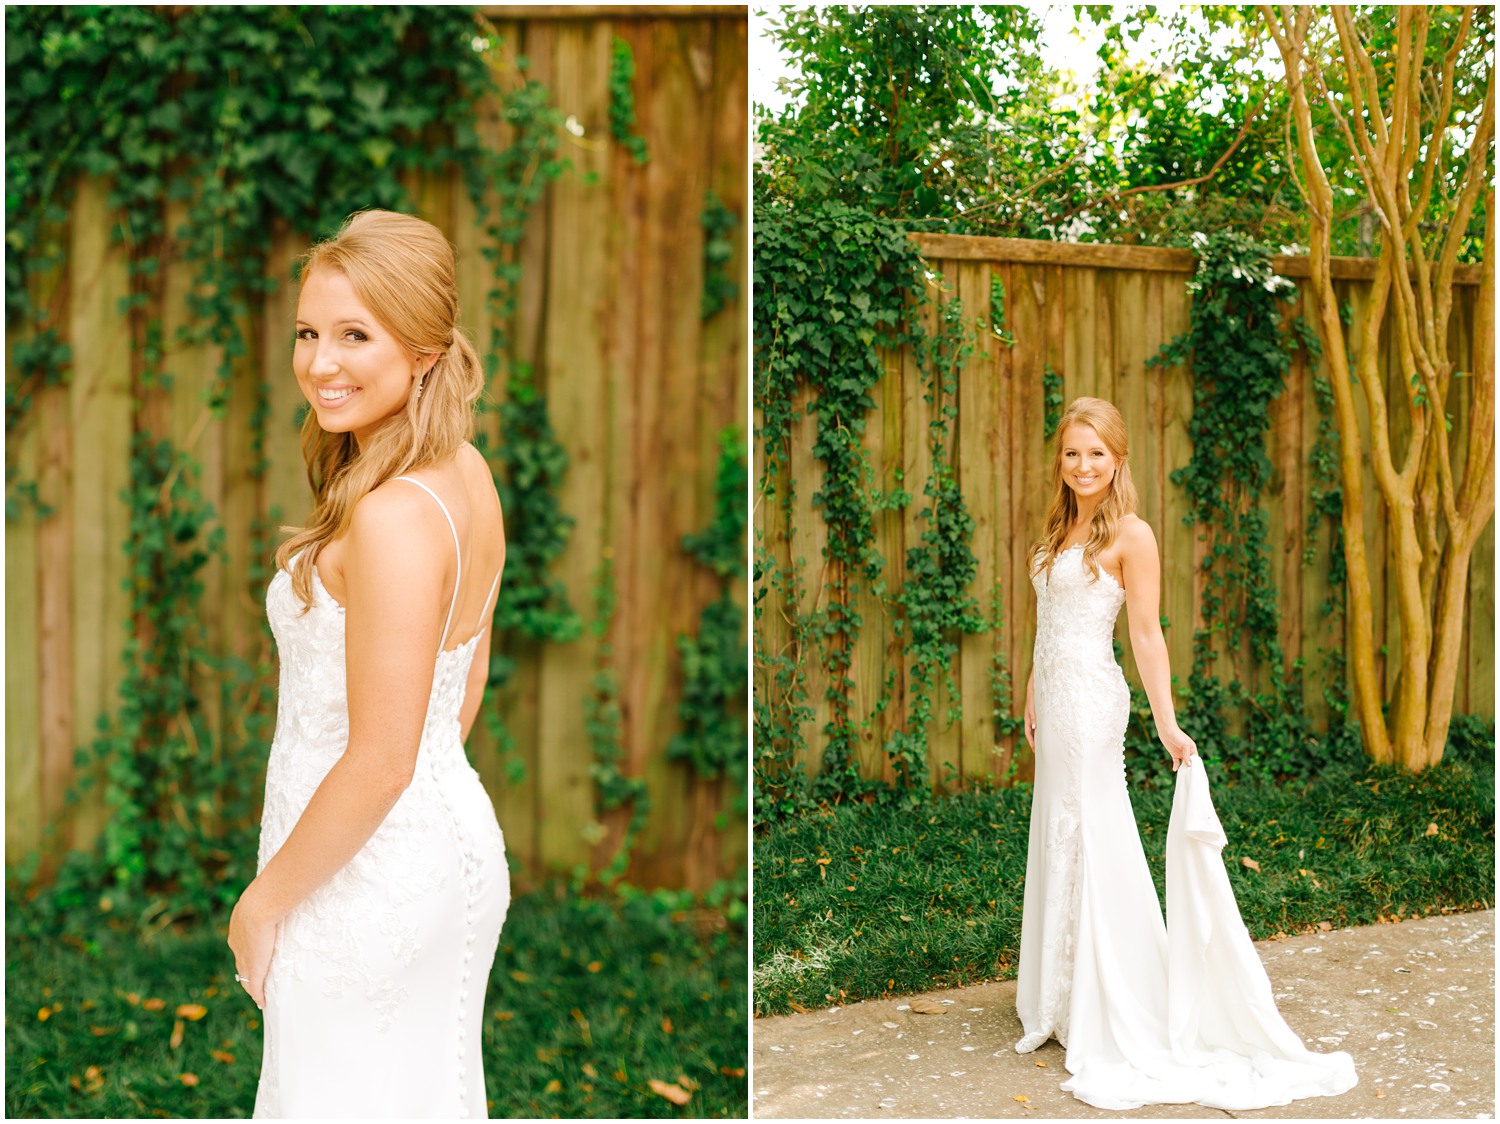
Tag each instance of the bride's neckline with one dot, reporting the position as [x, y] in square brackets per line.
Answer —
[1070, 550]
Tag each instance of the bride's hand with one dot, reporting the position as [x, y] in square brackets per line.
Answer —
[252, 938]
[1029, 721]
[1182, 748]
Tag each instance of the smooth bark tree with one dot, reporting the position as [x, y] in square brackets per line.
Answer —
[1388, 91]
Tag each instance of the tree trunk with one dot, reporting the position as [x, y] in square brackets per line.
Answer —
[1433, 519]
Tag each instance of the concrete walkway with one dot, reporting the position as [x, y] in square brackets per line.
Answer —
[1414, 1003]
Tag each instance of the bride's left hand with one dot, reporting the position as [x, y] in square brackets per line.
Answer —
[252, 938]
[1182, 748]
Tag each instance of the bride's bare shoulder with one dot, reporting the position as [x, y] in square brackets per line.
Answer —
[1135, 535]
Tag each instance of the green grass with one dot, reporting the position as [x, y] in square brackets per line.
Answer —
[588, 1002]
[870, 900]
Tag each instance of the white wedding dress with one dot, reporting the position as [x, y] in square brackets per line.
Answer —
[1145, 1018]
[375, 995]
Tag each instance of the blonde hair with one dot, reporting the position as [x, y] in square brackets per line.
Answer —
[402, 269]
[1062, 512]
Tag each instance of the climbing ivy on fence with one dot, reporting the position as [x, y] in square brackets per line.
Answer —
[714, 664]
[1240, 357]
[935, 602]
[622, 101]
[719, 223]
[833, 285]
[250, 120]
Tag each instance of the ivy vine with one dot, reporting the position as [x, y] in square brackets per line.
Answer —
[935, 602]
[622, 101]
[833, 285]
[252, 120]
[1240, 358]
[719, 224]
[714, 665]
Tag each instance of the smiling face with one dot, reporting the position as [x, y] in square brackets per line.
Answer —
[1088, 467]
[353, 371]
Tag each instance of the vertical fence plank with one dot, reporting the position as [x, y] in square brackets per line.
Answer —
[974, 447]
[24, 669]
[572, 372]
[1128, 367]
[1181, 550]
[100, 416]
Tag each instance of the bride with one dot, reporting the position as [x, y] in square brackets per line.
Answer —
[368, 935]
[1144, 1018]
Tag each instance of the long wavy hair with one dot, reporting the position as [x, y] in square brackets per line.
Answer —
[1062, 512]
[402, 269]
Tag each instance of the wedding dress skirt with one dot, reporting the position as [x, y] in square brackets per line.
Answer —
[375, 995]
[1145, 1019]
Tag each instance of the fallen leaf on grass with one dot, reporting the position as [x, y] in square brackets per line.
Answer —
[687, 1083]
[504, 1016]
[727, 1072]
[589, 1070]
[674, 1093]
[666, 1024]
[801, 1010]
[553, 1086]
[1325, 926]
[176, 1034]
[188, 1079]
[905, 918]
[596, 965]
[191, 1011]
[520, 977]
[1432, 829]
[222, 1056]
[1247, 861]
[154, 1004]
[924, 1006]
[101, 1031]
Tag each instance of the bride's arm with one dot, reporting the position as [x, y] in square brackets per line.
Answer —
[393, 580]
[1141, 565]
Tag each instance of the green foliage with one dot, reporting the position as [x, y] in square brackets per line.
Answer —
[833, 284]
[997, 312]
[178, 813]
[633, 987]
[1240, 361]
[253, 120]
[714, 664]
[1002, 684]
[947, 117]
[719, 224]
[602, 723]
[622, 101]
[937, 889]
[1052, 399]
[936, 605]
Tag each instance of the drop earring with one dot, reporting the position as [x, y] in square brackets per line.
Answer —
[419, 386]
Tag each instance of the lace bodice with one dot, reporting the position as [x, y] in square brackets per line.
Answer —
[1075, 623]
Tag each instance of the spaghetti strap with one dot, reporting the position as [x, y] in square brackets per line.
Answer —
[458, 579]
[486, 609]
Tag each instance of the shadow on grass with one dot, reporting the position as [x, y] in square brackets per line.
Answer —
[871, 900]
[588, 1002]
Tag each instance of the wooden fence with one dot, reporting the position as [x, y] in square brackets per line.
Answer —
[640, 387]
[1094, 314]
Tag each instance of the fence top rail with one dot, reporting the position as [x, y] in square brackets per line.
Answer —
[970, 247]
[609, 11]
